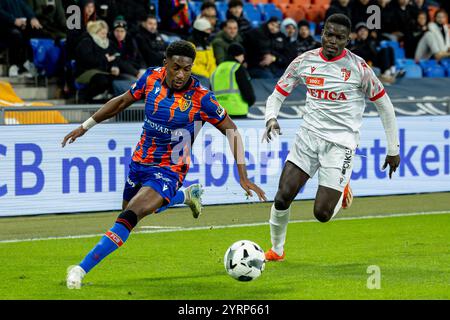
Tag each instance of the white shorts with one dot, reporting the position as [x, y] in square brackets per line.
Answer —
[334, 162]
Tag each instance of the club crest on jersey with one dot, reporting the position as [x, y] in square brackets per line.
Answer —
[185, 102]
[345, 73]
[313, 69]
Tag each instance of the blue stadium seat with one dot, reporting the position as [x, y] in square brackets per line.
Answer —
[269, 10]
[434, 72]
[400, 63]
[448, 72]
[312, 27]
[412, 71]
[45, 56]
[252, 14]
[428, 63]
[399, 53]
[156, 4]
[194, 9]
[445, 63]
[388, 43]
[78, 86]
[222, 8]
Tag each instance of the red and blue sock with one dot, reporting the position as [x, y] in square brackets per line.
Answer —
[112, 240]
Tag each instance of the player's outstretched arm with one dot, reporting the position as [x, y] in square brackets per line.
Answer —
[228, 128]
[108, 110]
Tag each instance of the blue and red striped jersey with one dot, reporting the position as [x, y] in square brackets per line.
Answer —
[170, 118]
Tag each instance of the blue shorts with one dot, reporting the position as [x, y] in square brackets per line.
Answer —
[160, 179]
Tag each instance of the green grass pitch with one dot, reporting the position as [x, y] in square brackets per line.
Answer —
[323, 261]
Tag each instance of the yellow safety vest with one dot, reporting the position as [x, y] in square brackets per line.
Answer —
[226, 90]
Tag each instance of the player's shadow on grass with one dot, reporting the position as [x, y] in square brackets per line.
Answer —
[183, 277]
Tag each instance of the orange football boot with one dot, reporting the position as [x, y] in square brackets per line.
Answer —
[348, 197]
[273, 256]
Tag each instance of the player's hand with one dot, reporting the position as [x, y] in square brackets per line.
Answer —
[393, 162]
[272, 127]
[74, 135]
[248, 186]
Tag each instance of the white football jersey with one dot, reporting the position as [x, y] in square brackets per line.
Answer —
[336, 91]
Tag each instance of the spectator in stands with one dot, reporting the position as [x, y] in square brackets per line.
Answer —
[108, 10]
[150, 42]
[205, 63]
[51, 16]
[74, 35]
[97, 62]
[289, 29]
[304, 41]
[18, 23]
[445, 4]
[225, 38]
[235, 10]
[401, 23]
[174, 15]
[420, 28]
[436, 41]
[129, 60]
[208, 10]
[134, 11]
[419, 6]
[267, 52]
[231, 83]
[359, 11]
[383, 59]
[339, 6]
[386, 15]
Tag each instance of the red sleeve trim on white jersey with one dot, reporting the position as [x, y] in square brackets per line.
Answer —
[378, 96]
[284, 93]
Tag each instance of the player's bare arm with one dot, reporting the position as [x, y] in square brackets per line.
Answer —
[107, 111]
[229, 128]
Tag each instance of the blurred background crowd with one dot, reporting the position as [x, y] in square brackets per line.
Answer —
[103, 49]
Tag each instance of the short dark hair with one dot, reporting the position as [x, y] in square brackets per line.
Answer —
[226, 22]
[341, 19]
[149, 16]
[181, 48]
[235, 3]
[208, 4]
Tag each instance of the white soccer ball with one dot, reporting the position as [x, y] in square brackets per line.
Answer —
[244, 260]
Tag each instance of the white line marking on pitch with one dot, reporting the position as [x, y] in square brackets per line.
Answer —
[176, 229]
[160, 227]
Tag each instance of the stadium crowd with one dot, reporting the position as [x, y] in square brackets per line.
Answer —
[115, 41]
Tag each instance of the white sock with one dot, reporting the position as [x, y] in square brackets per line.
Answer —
[338, 206]
[278, 226]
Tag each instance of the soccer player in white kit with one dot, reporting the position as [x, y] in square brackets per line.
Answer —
[337, 83]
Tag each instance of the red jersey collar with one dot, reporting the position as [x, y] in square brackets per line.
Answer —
[343, 54]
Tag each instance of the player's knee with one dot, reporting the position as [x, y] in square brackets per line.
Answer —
[281, 202]
[323, 214]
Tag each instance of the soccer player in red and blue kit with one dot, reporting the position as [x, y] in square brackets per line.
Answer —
[174, 103]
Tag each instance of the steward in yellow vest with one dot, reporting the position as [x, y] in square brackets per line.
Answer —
[231, 84]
